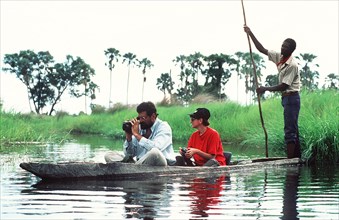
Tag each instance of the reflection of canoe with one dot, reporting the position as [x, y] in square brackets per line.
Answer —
[99, 184]
[117, 170]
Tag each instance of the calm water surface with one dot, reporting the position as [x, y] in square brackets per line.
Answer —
[275, 193]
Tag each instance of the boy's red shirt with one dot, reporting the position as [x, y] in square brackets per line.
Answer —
[208, 142]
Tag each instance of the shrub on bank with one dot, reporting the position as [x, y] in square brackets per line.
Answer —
[236, 124]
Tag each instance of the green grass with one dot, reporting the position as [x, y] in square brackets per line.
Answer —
[320, 127]
[238, 125]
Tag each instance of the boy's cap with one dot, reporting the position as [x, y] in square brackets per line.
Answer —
[203, 113]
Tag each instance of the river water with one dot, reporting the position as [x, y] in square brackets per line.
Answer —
[276, 193]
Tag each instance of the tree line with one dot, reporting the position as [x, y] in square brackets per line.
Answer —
[216, 70]
[46, 81]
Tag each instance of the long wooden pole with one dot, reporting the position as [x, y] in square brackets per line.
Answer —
[256, 82]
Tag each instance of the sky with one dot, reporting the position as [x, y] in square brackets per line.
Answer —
[160, 31]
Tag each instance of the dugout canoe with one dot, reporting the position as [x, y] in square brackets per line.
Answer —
[117, 170]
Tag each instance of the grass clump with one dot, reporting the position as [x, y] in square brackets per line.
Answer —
[237, 124]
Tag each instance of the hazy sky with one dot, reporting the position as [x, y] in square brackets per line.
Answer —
[159, 31]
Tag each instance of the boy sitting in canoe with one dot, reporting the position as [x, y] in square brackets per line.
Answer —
[204, 144]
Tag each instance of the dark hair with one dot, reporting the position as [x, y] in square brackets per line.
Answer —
[205, 122]
[147, 107]
[202, 113]
[292, 44]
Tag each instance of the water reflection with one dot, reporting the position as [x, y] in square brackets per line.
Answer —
[273, 193]
[206, 193]
[290, 196]
[144, 199]
[147, 199]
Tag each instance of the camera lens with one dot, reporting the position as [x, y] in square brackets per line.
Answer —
[127, 126]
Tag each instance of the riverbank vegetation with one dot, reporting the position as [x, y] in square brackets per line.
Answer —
[237, 124]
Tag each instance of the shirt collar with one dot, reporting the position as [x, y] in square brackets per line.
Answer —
[155, 125]
[282, 61]
[289, 60]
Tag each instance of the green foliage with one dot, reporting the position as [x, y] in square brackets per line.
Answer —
[88, 125]
[165, 84]
[116, 108]
[45, 81]
[112, 55]
[216, 69]
[34, 70]
[61, 114]
[204, 98]
[26, 128]
[220, 69]
[272, 80]
[320, 125]
[144, 63]
[332, 81]
[307, 75]
[97, 109]
[236, 124]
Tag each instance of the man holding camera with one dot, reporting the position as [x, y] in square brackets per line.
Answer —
[148, 138]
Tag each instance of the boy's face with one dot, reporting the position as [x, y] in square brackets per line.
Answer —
[286, 49]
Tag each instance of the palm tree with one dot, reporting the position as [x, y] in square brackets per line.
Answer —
[144, 63]
[85, 71]
[112, 54]
[307, 76]
[165, 83]
[130, 58]
[332, 81]
[188, 85]
[238, 60]
[271, 80]
[220, 68]
[195, 61]
[181, 59]
[247, 71]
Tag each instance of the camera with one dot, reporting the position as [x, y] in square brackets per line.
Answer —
[127, 126]
[183, 151]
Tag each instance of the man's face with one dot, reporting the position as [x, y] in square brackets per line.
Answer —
[145, 120]
[286, 49]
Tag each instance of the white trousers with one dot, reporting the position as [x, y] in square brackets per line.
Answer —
[154, 157]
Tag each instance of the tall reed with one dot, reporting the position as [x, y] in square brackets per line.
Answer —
[237, 124]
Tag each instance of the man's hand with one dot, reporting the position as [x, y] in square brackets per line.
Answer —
[135, 130]
[261, 90]
[135, 126]
[247, 29]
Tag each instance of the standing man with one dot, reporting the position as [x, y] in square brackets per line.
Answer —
[289, 86]
[149, 139]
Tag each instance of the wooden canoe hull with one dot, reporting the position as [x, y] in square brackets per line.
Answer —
[117, 170]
